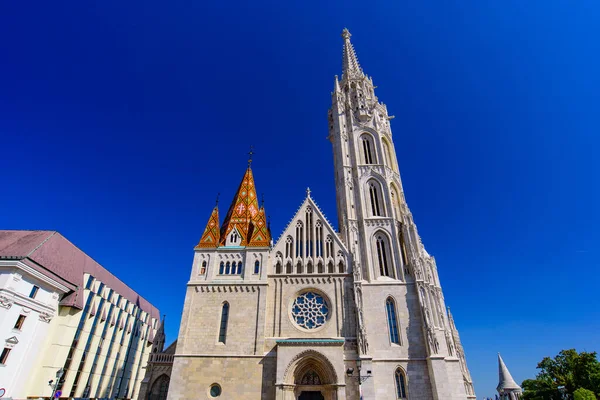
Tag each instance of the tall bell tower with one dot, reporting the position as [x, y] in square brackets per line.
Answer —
[403, 332]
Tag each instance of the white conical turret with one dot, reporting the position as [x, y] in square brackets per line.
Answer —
[507, 386]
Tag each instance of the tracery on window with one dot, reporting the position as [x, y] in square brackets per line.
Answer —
[310, 310]
[310, 378]
[375, 200]
[400, 384]
[382, 256]
[390, 308]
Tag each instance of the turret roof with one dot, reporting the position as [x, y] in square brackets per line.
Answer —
[505, 379]
[210, 237]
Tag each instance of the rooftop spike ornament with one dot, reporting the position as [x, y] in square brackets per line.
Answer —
[350, 67]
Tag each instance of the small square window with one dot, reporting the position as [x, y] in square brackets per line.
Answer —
[34, 291]
[4, 355]
[19, 323]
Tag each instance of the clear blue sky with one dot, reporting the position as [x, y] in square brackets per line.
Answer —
[120, 122]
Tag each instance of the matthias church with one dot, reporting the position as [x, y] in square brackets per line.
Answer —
[321, 313]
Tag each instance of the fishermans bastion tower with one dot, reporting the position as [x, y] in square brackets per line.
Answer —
[322, 313]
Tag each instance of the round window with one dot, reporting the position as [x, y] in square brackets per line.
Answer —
[215, 390]
[310, 310]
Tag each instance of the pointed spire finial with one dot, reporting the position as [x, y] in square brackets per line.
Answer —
[350, 66]
[250, 153]
[308, 192]
[217, 200]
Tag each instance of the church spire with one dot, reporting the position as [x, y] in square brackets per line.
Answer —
[350, 67]
[506, 383]
[210, 237]
[245, 217]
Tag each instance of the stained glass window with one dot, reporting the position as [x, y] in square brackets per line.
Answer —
[310, 310]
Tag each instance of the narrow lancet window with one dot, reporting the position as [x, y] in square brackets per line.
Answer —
[400, 384]
[374, 197]
[390, 308]
[222, 268]
[382, 257]
[256, 267]
[223, 327]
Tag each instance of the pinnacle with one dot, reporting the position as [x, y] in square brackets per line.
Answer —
[350, 66]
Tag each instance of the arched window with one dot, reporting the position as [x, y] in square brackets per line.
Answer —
[203, 268]
[227, 268]
[375, 199]
[256, 267]
[319, 235]
[288, 268]
[222, 268]
[299, 269]
[289, 247]
[341, 267]
[330, 267]
[309, 268]
[299, 237]
[309, 232]
[224, 319]
[320, 268]
[389, 160]
[403, 246]
[239, 268]
[329, 246]
[390, 309]
[382, 256]
[278, 267]
[401, 387]
[368, 149]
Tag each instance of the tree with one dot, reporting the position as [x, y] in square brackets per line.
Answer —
[583, 394]
[568, 369]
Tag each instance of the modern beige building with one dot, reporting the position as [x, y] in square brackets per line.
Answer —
[356, 312]
[62, 311]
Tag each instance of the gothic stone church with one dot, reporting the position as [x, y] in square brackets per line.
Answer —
[322, 314]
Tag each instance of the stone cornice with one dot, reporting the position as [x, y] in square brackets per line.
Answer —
[310, 342]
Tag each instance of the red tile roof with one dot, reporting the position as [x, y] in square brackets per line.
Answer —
[55, 256]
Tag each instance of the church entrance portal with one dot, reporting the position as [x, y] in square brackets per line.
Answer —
[311, 396]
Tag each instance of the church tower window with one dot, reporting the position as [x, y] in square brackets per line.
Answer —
[239, 268]
[228, 268]
[256, 267]
[222, 268]
[329, 247]
[390, 308]
[375, 199]
[224, 319]
[289, 247]
[203, 268]
[382, 256]
[400, 384]
[368, 149]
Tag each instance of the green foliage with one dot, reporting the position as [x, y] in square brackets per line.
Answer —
[569, 370]
[583, 394]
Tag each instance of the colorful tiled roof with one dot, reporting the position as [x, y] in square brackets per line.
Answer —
[212, 234]
[246, 216]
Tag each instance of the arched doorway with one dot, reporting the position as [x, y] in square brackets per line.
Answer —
[311, 376]
[160, 387]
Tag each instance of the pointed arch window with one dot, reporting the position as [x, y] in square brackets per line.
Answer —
[375, 199]
[256, 267]
[330, 267]
[289, 247]
[288, 268]
[401, 387]
[309, 268]
[329, 246]
[239, 268]
[224, 320]
[299, 238]
[228, 268]
[319, 237]
[203, 268]
[341, 267]
[390, 309]
[278, 267]
[368, 149]
[222, 268]
[382, 256]
[309, 232]
[299, 269]
[388, 154]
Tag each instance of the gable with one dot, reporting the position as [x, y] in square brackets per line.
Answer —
[309, 240]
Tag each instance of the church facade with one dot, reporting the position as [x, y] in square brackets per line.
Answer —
[322, 314]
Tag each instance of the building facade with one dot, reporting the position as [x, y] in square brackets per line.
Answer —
[322, 313]
[59, 309]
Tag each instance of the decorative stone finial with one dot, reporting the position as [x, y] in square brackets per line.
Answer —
[308, 192]
[346, 33]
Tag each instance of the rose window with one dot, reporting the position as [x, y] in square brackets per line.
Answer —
[310, 310]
